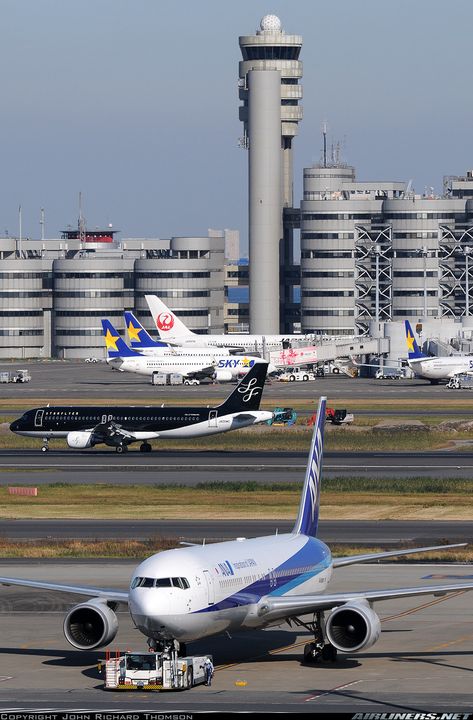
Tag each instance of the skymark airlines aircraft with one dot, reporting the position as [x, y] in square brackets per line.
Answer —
[196, 362]
[86, 426]
[172, 330]
[195, 592]
[434, 368]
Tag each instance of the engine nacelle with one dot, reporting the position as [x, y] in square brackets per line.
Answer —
[222, 375]
[90, 625]
[79, 439]
[353, 627]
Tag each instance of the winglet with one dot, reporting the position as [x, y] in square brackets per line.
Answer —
[139, 337]
[116, 346]
[413, 350]
[307, 520]
[168, 324]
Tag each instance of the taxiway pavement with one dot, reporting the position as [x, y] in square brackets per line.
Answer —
[422, 662]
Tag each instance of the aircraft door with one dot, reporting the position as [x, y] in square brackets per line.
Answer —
[38, 420]
[213, 418]
[210, 588]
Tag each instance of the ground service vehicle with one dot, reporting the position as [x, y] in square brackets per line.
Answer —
[388, 374]
[154, 671]
[338, 417]
[283, 416]
[463, 381]
[20, 376]
[161, 378]
[297, 375]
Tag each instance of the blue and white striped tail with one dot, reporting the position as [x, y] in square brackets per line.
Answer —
[307, 520]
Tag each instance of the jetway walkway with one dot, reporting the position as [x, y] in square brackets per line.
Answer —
[329, 352]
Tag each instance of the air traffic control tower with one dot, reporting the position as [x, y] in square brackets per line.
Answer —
[269, 88]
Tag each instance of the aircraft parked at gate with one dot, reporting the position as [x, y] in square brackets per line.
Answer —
[434, 368]
[86, 426]
[196, 363]
[190, 593]
[172, 330]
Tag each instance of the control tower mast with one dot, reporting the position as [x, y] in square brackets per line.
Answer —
[269, 89]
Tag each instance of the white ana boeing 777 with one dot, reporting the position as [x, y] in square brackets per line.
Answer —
[181, 595]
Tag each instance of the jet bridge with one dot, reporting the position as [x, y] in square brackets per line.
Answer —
[338, 351]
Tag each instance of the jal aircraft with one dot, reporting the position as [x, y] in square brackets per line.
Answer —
[172, 330]
[182, 595]
[434, 368]
[196, 362]
[86, 426]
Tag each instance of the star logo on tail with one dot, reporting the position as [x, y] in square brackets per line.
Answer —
[134, 332]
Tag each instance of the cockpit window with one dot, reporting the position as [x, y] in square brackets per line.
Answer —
[147, 582]
[142, 582]
[163, 582]
[180, 582]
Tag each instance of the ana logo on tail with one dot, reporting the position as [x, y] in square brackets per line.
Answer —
[164, 321]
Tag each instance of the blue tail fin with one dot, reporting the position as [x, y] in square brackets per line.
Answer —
[413, 350]
[307, 520]
[139, 337]
[116, 346]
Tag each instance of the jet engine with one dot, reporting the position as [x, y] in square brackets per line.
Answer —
[353, 627]
[222, 375]
[90, 625]
[79, 439]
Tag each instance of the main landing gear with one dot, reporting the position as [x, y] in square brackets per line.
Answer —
[121, 449]
[145, 447]
[318, 649]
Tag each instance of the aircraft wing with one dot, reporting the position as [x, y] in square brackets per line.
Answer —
[102, 593]
[275, 608]
[206, 372]
[354, 559]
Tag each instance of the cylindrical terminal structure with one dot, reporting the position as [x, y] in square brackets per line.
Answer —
[87, 289]
[264, 124]
[189, 279]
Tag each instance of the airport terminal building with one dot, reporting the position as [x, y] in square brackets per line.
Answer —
[378, 252]
[53, 293]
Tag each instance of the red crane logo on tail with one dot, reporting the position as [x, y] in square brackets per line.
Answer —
[164, 321]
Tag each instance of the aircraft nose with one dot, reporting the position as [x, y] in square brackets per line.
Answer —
[147, 605]
[15, 426]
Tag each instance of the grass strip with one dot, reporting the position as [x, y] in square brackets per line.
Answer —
[290, 439]
[138, 550]
[351, 498]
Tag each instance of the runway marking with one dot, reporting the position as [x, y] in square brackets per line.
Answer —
[415, 609]
[452, 642]
[335, 689]
[5, 677]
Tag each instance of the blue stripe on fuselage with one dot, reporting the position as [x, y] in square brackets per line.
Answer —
[312, 559]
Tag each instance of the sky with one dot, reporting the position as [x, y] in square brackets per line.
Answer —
[134, 103]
